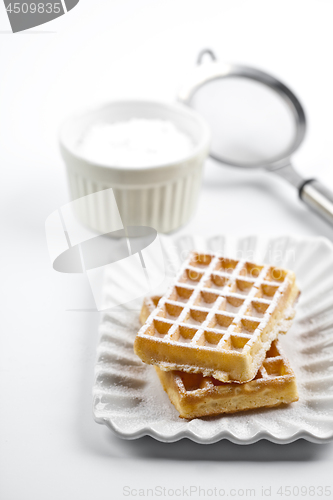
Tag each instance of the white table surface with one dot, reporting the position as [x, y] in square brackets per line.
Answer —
[50, 447]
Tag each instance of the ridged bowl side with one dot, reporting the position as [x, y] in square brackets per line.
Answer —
[164, 206]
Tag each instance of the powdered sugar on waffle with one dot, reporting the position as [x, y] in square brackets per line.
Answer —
[205, 273]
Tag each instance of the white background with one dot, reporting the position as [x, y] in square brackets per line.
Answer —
[50, 447]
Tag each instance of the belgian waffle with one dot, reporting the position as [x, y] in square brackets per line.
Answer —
[194, 395]
[219, 318]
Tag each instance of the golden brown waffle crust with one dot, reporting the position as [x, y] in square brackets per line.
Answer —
[209, 397]
[238, 353]
[274, 385]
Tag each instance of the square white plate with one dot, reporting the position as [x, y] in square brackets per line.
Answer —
[128, 397]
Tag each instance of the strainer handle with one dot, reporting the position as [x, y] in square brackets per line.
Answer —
[318, 198]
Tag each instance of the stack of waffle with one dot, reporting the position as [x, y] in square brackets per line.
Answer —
[213, 336]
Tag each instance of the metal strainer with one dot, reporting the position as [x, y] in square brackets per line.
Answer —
[255, 120]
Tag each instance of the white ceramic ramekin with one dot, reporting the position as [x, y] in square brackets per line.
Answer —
[163, 196]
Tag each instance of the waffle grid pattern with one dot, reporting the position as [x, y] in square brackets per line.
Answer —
[195, 395]
[217, 303]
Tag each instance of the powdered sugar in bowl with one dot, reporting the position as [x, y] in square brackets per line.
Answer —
[150, 153]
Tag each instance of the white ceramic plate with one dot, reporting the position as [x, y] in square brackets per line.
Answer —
[130, 400]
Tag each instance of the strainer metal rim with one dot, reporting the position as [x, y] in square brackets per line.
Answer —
[214, 70]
